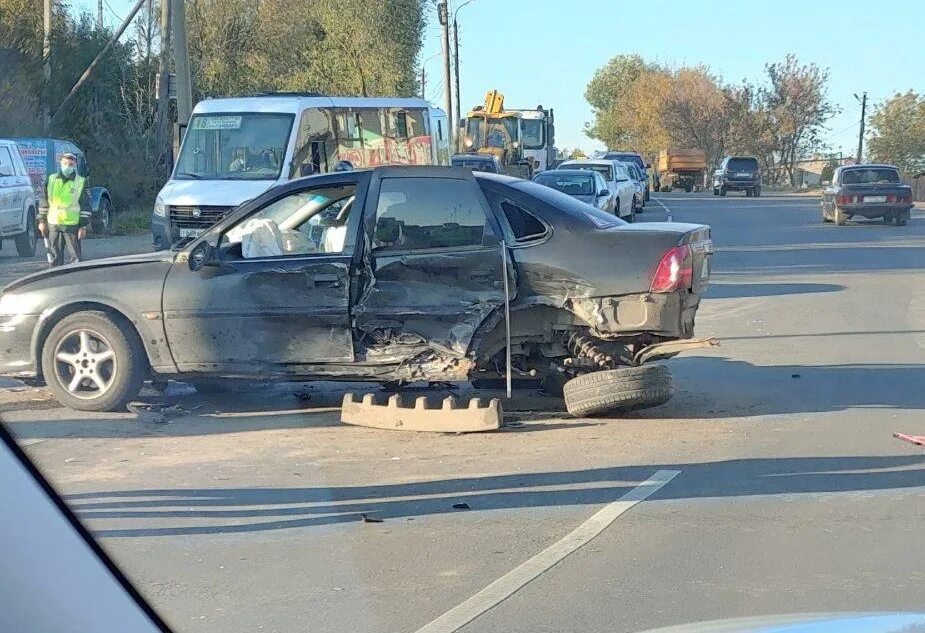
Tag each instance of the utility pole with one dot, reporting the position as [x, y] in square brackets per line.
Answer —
[163, 83]
[423, 81]
[443, 16]
[181, 62]
[99, 15]
[863, 100]
[46, 69]
[454, 122]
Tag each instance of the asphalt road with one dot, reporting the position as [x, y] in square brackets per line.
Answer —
[780, 488]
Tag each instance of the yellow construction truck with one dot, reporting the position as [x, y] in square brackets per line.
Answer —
[489, 129]
[681, 169]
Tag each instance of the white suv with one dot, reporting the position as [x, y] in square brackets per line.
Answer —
[18, 203]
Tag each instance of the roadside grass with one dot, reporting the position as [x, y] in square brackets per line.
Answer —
[131, 221]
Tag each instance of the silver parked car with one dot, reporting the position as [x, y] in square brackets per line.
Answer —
[18, 203]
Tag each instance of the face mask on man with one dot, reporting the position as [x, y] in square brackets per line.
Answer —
[67, 169]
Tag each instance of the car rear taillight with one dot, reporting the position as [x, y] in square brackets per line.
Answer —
[844, 199]
[675, 271]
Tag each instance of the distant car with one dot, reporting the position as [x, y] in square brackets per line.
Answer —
[477, 162]
[618, 182]
[869, 191]
[738, 173]
[639, 180]
[582, 184]
[18, 202]
[636, 159]
[375, 275]
[41, 156]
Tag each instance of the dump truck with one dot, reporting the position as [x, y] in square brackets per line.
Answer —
[489, 129]
[681, 169]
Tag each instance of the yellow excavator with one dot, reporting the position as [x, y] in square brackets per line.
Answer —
[489, 129]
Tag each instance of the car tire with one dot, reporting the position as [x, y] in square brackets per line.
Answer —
[107, 348]
[632, 216]
[646, 196]
[840, 217]
[748, 192]
[26, 241]
[756, 192]
[901, 219]
[715, 191]
[101, 221]
[616, 390]
[722, 191]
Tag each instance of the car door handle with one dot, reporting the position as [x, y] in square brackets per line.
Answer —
[326, 281]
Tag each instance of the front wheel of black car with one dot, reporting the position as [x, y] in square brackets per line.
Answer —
[92, 361]
[617, 390]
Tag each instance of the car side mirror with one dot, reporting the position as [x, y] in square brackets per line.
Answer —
[622, 179]
[602, 193]
[201, 256]
[306, 169]
[6, 171]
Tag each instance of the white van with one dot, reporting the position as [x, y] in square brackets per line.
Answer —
[235, 149]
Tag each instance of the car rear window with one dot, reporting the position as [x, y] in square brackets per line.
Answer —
[605, 171]
[742, 164]
[474, 163]
[567, 205]
[571, 184]
[524, 226]
[870, 176]
[626, 158]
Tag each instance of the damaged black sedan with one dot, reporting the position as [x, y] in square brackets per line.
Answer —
[396, 274]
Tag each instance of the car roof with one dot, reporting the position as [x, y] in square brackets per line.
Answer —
[568, 172]
[483, 157]
[869, 166]
[591, 161]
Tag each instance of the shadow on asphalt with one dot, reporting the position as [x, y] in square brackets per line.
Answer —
[716, 387]
[279, 508]
[730, 291]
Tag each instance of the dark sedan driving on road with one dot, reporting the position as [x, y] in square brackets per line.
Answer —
[868, 191]
[392, 274]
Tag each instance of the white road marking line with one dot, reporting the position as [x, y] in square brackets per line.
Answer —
[665, 207]
[517, 578]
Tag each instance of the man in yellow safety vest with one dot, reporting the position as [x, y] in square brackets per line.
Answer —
[64, 211]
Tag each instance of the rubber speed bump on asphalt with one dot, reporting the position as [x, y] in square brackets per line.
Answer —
[447, 416]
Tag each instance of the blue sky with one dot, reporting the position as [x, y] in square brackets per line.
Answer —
[553, 47]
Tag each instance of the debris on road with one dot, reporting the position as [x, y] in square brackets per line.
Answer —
[448, 418]
[461, 506]
[912, 439]
[156, 413]
[369, 519]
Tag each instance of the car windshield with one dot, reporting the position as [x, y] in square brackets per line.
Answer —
[572, 184]
[605, 171]
[491, 132]
[870, 176]
[742, 164]
[533, 132]
[239, 146]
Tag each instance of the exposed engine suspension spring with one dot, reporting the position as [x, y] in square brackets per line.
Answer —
[582, 345]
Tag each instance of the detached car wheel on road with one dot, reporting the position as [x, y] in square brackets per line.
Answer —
[617, 390]
[391, 274]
